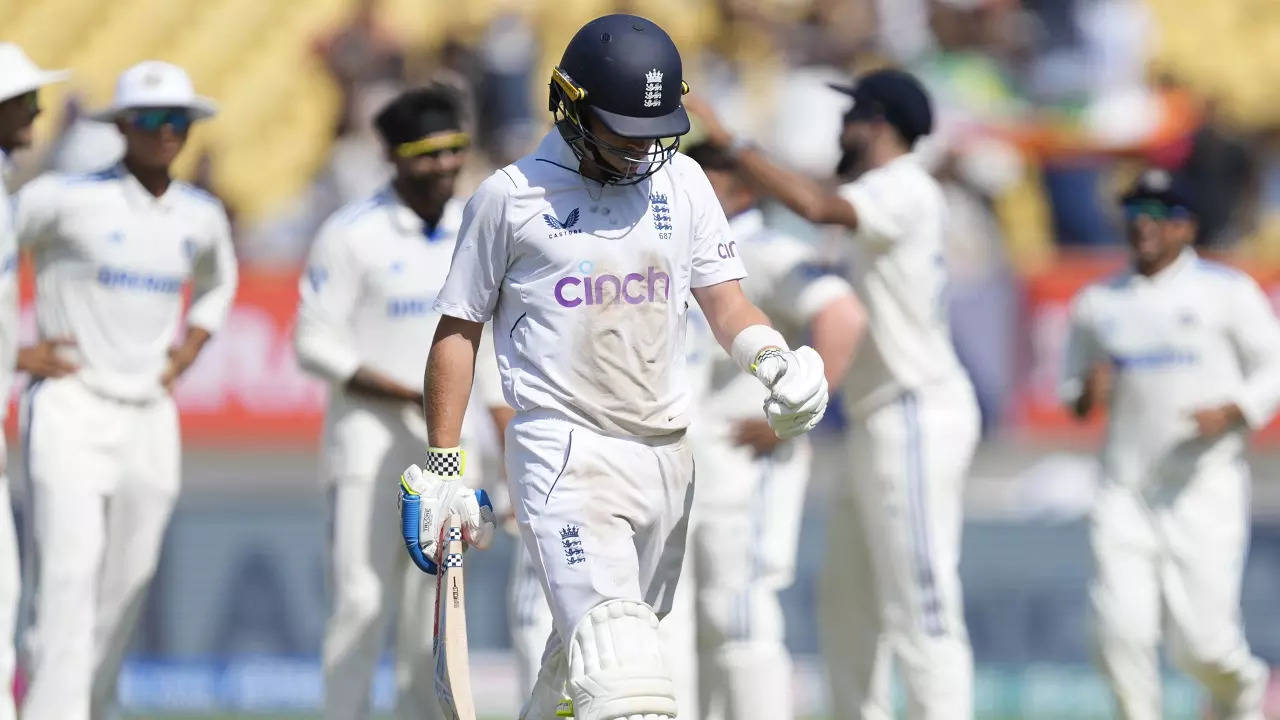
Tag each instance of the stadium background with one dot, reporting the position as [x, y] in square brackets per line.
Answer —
[1047, 107]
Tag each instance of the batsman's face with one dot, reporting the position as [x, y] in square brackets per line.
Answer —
[619, 152]
[16, 116]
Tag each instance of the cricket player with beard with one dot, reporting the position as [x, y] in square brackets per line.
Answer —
[20, 83]
[1185, 353]
[113, 252]
[584, 254]
[891, 584]
[364, 317]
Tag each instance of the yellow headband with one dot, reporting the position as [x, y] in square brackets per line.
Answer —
[456, 140]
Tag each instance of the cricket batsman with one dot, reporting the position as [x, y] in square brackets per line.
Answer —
[20, 83]
[113, 252]
[584, 255]
[364, 316]
[891, 585]
[751, 484]
[1185, 354]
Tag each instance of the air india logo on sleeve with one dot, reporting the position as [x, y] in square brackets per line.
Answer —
[653, 88]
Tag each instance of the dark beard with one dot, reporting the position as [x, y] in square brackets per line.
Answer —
[850, 164]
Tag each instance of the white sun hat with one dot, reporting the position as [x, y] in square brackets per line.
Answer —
[155, 84]
[18, 75]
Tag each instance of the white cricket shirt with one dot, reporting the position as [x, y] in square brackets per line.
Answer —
[900, 274]
[588, 286]
[786, 281]
[1195, 335]
[8, 294]
[112, 261]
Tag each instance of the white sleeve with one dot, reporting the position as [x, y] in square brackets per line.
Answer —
[1082, 350]
[35, 211]
[885, 207]
[1256, 334]
[214, 278]
[488, 386]
[471, 289]
[714, 260]
[328, 291]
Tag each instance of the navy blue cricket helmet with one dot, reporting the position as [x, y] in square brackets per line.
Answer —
[625, 72]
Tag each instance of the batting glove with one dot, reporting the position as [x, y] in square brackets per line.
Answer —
[429, 495]
[798, 389]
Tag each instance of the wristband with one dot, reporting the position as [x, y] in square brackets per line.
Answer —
[754, 344]
[446, 462]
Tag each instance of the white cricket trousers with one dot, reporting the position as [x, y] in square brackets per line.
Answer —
[10, 588]
[891, 589]
[104, 477]
[372, 580]
[602, 518]
[1174, 557]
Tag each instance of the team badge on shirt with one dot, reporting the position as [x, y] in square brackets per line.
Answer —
[661, 211]
[570, 538]
[653, 88]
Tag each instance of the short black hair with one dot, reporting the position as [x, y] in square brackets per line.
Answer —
[711, 157]
[416, 113]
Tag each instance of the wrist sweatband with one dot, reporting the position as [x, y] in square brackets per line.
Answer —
[446, 462]
[755, 343]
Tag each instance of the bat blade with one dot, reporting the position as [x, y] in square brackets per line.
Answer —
[453, 668]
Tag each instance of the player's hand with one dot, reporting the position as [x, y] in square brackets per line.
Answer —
[757, 435]
[43, 360]
[180, 358]
[1212, 422]
[717, 134]
[428, 496]
[798, 390]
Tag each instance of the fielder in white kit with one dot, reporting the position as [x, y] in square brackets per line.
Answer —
[585, 254]
[1186, 355]
[891, 586]
[20, 82]
[364, 317]
[751, 484]
[113, 252]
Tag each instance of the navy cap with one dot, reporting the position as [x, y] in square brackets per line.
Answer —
[894, 95]
[1162, 187]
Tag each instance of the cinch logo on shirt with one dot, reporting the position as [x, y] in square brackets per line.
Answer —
[409, 306]
[605, 289]
[727, 250]
[130, 280]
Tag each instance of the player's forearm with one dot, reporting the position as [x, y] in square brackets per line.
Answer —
[804, 196]
[728, 311]
[192, 344]
[836, 331]
[450, 370]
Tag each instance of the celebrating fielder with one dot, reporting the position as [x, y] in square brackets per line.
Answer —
[584, 254]
[365, 314]
[891, 582]
[1186, 354]
[113, 252]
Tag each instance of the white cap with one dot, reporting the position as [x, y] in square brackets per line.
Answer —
[152, 84]
[18, 75]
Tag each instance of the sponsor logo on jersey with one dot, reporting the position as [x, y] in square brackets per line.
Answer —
[145, 282]
[571, 540]
[727, 250]
[633, 288]
[409, 306]
[564, 226]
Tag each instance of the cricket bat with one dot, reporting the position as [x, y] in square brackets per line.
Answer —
[453, 669]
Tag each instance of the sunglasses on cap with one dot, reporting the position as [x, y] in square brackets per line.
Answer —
[152, 119]
[1155, 210]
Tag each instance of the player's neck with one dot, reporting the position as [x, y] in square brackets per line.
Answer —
[154, 179]
[1157, 265]
[881, 154]
[426, 206]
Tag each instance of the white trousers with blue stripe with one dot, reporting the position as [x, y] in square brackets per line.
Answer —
[891, 590]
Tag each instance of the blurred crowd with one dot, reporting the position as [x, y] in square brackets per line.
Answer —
[1046, 108]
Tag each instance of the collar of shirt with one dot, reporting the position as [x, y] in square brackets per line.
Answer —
[746, 223]
[553, 149]
[407, 221]
[139, 197]
[1185, 259]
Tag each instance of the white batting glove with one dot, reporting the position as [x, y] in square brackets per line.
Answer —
[428, 496]
[798, 389]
